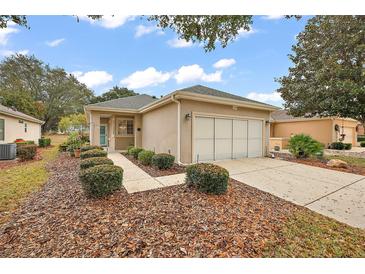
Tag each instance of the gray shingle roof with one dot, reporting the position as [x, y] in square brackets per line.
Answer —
[282, 114]
[12, 112]
[199, 89]
[131, 102]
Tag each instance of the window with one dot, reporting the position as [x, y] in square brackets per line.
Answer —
[125, 127]
[25, 127]
[2, 129]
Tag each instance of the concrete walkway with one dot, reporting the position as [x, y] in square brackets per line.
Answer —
[332, 193]
[136, 180]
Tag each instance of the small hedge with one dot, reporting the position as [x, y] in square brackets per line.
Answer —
[145, 157]
[163, 160]
[362, 144]
[207, 178]
[129, 149]
[341, 146]
[135, 151]
[63, 147]
[347, 146]
[26, 152]
[95, 161]
[101, 180]
[93, 153]
[86, 148]
[44, 142]
[302, 146]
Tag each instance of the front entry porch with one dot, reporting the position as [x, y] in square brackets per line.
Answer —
[115, 131]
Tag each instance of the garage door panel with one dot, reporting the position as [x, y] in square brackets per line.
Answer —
[204, 128]
[223, 128]
[204, 150]
[254, 138]
[223, 139]
[239, 139]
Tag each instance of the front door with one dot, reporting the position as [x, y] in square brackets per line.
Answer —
[104, 135]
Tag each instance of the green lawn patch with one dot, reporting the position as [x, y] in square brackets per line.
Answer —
[309, 234]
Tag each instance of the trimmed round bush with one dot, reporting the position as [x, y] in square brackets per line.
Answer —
[26, 152]
[135, 151]
[163, 160]
[86, 148]
[207, 178]
[129, 149]
[95, 161]
[302, 146]
[101, 180]
[337, 145]
[93, 153]
[145, 157]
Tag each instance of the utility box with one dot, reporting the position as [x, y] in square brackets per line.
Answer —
[7, 151]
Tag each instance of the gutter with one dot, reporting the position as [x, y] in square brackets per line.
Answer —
[178, 145]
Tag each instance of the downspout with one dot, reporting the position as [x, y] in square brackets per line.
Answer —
[178, 128]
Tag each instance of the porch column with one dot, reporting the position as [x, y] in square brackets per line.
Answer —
[112, 133]
[95, 129]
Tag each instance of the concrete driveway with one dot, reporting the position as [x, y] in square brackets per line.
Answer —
[332, 193]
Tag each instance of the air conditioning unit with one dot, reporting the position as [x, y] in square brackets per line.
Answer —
[7, 151]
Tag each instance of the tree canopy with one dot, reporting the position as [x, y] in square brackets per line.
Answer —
[36, 89]
[73, 122]
[114, 93]
[327, 77]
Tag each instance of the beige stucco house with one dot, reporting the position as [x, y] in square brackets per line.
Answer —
[325, 130]
[193, 124]
[17, 125]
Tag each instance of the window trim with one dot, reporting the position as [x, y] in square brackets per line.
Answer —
[117, 120]
[3, 129]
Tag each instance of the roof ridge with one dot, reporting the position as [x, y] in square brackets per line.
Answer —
[125, 97]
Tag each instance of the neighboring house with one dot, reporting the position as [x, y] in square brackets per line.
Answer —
[17, 125]
[360, 129]
[325, 130]
[193, 124]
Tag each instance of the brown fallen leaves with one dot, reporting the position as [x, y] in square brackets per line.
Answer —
[59, 221]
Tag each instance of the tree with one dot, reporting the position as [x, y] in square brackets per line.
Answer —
[206, 29]
[327, 77]
[114, 93]
[73, 122]
[34, 88]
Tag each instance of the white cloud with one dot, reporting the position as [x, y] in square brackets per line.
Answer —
[4, 34]
[55, 43]
[179, 43]
[196, 73]
[145, 78]
[224, 63]
[143, 30]
[242, 33]
[7, 52]
[93, 78]
[272, 17]
[265, 97]
[109, 21]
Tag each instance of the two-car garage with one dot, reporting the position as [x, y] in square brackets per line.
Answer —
[220, 138]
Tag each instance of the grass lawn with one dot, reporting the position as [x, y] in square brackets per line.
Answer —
[309, 234]
[360, 162]
[18, 181]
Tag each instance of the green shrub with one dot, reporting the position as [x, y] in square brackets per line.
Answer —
[337, 145]
[145, 156]
[163, 160]
[361, 138]
[347, 146]
[101, 180]
[207, 178]
[95, 161]
[302, 146]
[93, 153]
[86, 148]
[135, 151]
[63, 147]
[26, 152]
[44, 142]
[129, 149]
[362, 144]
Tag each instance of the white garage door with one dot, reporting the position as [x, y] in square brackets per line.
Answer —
[224, 138]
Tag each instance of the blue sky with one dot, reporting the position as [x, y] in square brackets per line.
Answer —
[132, 52]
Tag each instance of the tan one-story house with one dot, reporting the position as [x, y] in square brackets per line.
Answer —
[326, 130]
[193, 124]
[17, 125]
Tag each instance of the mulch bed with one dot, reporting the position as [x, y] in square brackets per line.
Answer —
[155, 172]
[321, 163]
[177, 221]
[17, 162]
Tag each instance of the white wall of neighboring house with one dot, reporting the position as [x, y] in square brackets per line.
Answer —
[14, 129]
